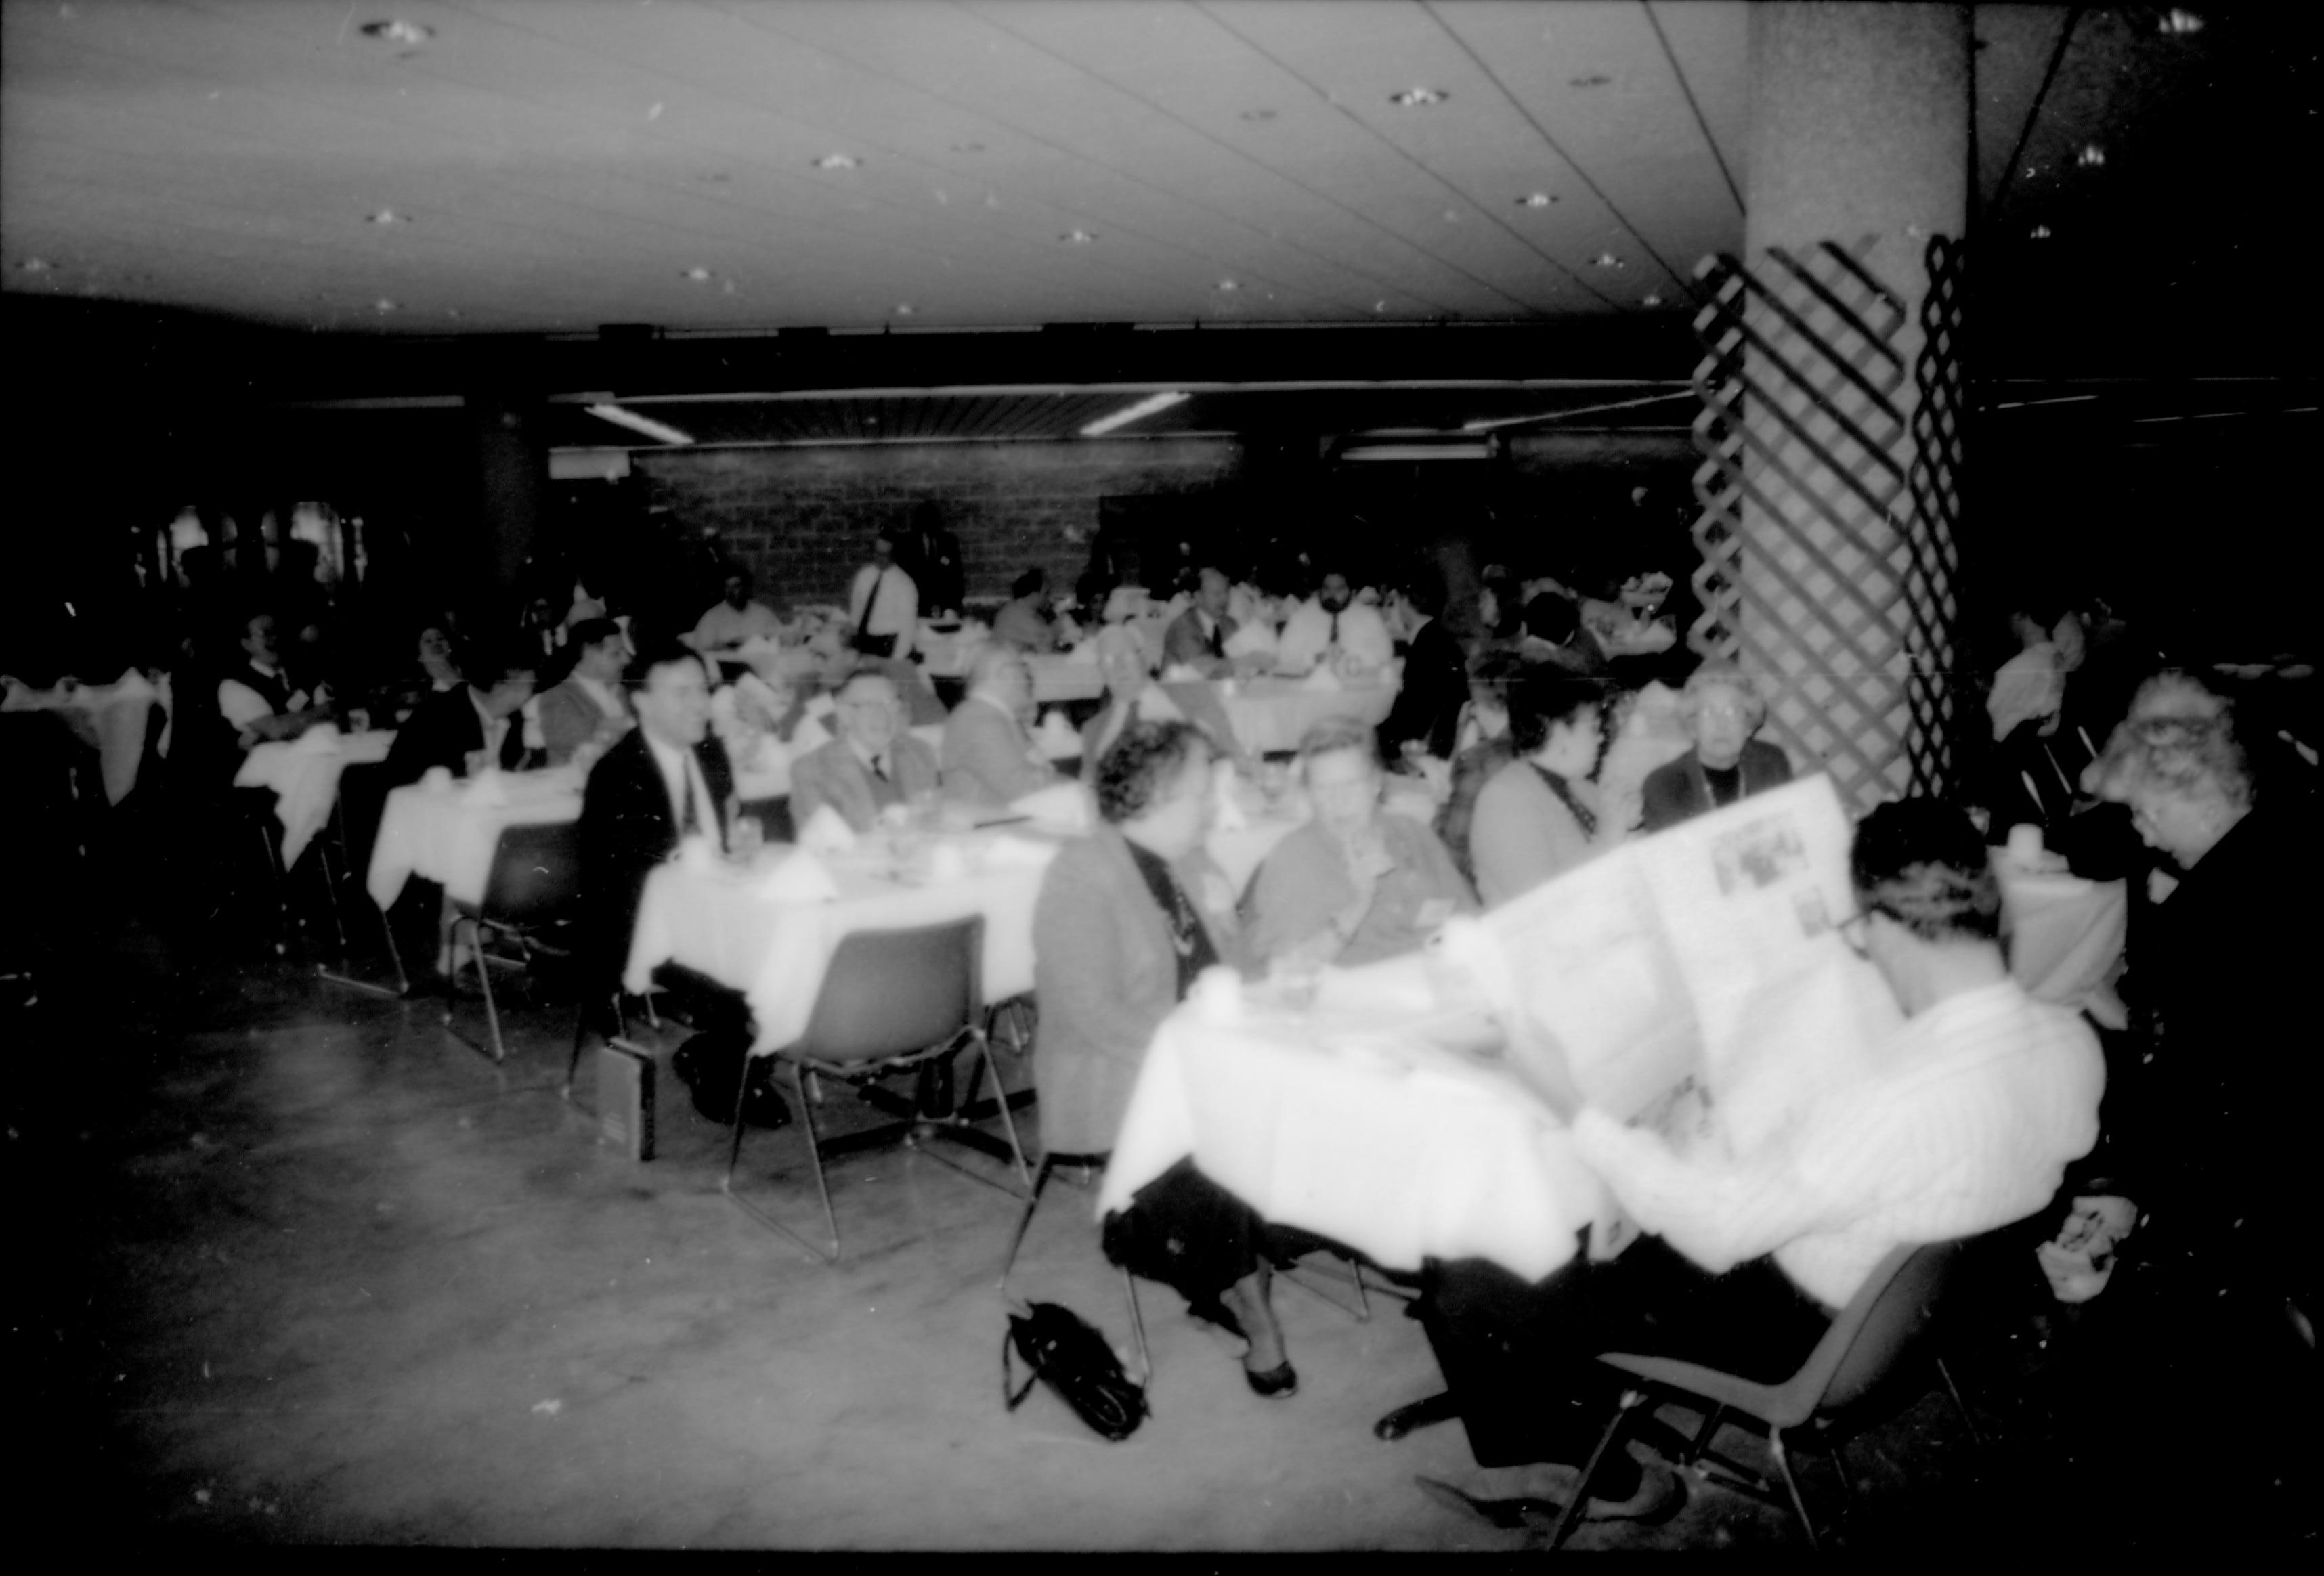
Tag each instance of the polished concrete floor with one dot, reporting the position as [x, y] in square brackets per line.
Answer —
[302, 1267]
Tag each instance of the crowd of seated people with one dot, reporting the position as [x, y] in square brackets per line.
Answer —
[1511, 693]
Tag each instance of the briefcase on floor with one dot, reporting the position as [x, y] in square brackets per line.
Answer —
[625, 1100]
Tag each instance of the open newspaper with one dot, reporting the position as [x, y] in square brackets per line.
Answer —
[1705, 954]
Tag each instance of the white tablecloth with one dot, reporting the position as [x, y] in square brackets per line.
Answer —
[448, 834]
[1058, 677]
[1271, 714]
[110, 716]
[2066, 938]
[1352, 1126]
[304, 773]
[717, 922]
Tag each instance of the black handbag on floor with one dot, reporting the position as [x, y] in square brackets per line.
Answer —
[1075, 1360]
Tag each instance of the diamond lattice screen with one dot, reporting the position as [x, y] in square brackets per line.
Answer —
[1828, 490]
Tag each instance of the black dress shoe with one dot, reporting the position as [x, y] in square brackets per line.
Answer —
[1275, 1384]
[1423, 1413]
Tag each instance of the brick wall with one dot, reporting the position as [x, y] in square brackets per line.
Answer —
[803, 518]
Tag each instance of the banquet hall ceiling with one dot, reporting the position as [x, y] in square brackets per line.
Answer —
[413, 170]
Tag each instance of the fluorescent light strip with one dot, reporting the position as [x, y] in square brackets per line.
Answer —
[1129, 413]
[660, 432]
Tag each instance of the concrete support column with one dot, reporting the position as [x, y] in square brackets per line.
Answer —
[511, 470]
[1861, 138]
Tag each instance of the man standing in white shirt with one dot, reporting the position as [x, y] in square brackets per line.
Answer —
[1334, 629]
[883, 603]
[1963, 1121]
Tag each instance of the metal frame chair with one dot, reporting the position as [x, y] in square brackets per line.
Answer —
[1872, 1337]
[891, 1000]
[535, 884]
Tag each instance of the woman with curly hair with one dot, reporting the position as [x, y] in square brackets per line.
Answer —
[1127, 919]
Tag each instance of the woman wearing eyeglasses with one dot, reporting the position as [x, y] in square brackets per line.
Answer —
[1722, 710]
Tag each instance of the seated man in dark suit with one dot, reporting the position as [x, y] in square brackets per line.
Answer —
[872, 764]
[666, 780]
[1722, 709]
[1198, 637]
[452, 724]
[590, 708]
[1436, 687]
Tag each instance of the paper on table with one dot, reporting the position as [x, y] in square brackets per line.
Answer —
[322, 739]
[826, 832]
[800, 878]
[436, 780]
[1061, 807]
[1006, 852]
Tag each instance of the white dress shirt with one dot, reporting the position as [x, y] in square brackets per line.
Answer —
[681, 774]
[885, 602]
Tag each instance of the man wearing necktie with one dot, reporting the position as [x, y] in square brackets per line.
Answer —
[884, 604]
[1197, 638]
[666, 780]
[872, 764]
[1335, 626]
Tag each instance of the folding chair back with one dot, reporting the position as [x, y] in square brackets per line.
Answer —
[891, 992]
[1889, 1317]
[536, 875]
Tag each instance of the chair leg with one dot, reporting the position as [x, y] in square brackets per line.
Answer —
[1954, 1391]
[1607, 1441]
[1791, 1482]
[814, 1155]
[1138, 1330]
[1025, 1220]
[485, 978]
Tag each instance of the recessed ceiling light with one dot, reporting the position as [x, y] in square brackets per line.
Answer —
[837, 162]
[1229, 286]
[1379, 305]
[2091, 154]
[1257, 115]
[2180, 22]
[1594, 79]
[383, 305]
[1077, 237]
[1414, 97]
[451, 312]
[33, 265]
[396, 31]
[2040, 232]
[1535, 199]
[1653, 299]
[699, 275]
[904, 308]
[389, 216]
[1608, 259]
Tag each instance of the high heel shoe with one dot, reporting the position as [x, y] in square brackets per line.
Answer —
[1274, 1383]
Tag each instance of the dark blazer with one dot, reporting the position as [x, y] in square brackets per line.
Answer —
[1677, 790]
[1435, 687]
[440, 732]
[834, 775]
[570, 719]
[1184, 640]
[626, 830]
[1106, 976]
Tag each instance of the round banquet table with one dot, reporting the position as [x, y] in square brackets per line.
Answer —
[447, 832]
[109, 717]
[304, 773]
[735, 923]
